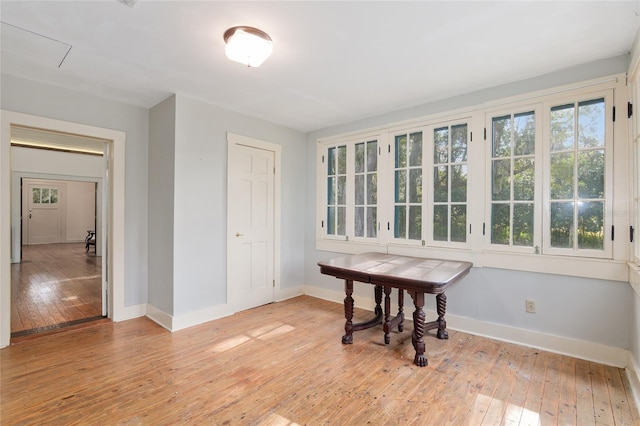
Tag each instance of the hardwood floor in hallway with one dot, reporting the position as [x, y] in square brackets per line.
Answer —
[56, 285]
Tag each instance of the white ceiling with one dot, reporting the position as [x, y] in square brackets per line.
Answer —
[333, 62]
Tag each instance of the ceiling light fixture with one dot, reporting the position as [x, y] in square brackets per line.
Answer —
[247, 45]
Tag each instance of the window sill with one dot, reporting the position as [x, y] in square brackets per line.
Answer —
[604, 269]
[634, 277]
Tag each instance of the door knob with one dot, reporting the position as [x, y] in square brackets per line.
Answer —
[239, 234]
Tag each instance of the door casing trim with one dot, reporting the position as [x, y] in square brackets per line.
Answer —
[115, 216]
[234, 140]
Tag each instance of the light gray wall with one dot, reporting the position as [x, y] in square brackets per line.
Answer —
[55, 163]
[635, 328]
[78, 203]
[81, 209]
[59, 165]
[586, 309]
[200, 197]
[35, 98]
[162, 134]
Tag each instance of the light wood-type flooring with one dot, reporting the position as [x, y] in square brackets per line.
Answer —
[56, 285]
[284, 364]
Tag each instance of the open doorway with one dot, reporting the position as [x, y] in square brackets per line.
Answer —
[57, 277]
[58, 281]
[113, 243]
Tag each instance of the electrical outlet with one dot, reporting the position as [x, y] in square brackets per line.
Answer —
[530, 305]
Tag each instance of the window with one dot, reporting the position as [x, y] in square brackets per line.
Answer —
[577, 173]
[366, 189]
[636, 201]
[351, 191]
[408, 186]
[534, 191]
[336, 190]
[635, 184]
[449, 194]
[44, 196]
[513, 144]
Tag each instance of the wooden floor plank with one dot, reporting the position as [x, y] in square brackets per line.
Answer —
[54, 284]
[504, 385]
[284, 364]
[444, 361]
[584, 394]
[518, 395]
[551, 390]
[601, 399]
[487, 388]
[533, 402]
[618, 399]
[567, 406]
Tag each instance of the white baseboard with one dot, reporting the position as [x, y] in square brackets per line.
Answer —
[159, 316]
[633, 374]
[199, 317]
[179, 322]
[131, 312]
[589, 351]
[288, 293]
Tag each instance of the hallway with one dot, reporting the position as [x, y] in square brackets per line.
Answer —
[56, 285]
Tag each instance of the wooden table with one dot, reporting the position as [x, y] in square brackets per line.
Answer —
[386, 271]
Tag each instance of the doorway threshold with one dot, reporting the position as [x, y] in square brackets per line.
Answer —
[20, 336]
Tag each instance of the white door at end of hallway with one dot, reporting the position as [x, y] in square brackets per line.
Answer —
[251, 226]
[45, 206]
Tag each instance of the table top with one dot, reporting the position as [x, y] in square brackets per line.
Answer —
[412, 273]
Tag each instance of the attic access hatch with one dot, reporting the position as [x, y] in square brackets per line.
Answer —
[31, 46]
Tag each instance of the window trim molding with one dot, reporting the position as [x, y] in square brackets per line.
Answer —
[614, 268]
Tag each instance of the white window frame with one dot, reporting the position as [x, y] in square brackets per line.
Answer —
[389, 197]
[619, 199]
[324, 160]
[351, 173]
[429, 164]
[634, 138]
[322, 190]
[537, 199]
[607, 251]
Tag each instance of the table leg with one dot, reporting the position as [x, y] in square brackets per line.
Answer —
[387, 314]
[377, 291]
[401, 309]
[418, 329]
[348, 312]
[441, 302]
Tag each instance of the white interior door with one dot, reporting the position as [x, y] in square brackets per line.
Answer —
[45, 209]
[250, 226]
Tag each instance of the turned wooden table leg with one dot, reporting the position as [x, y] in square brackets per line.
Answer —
[441, 302]
[418, 329]
[387, 314]
[401, 309]
[348, 312]
[377, 291]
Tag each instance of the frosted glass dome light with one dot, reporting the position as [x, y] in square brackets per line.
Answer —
[247, 45]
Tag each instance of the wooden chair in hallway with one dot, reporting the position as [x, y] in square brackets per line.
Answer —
[90, 240]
